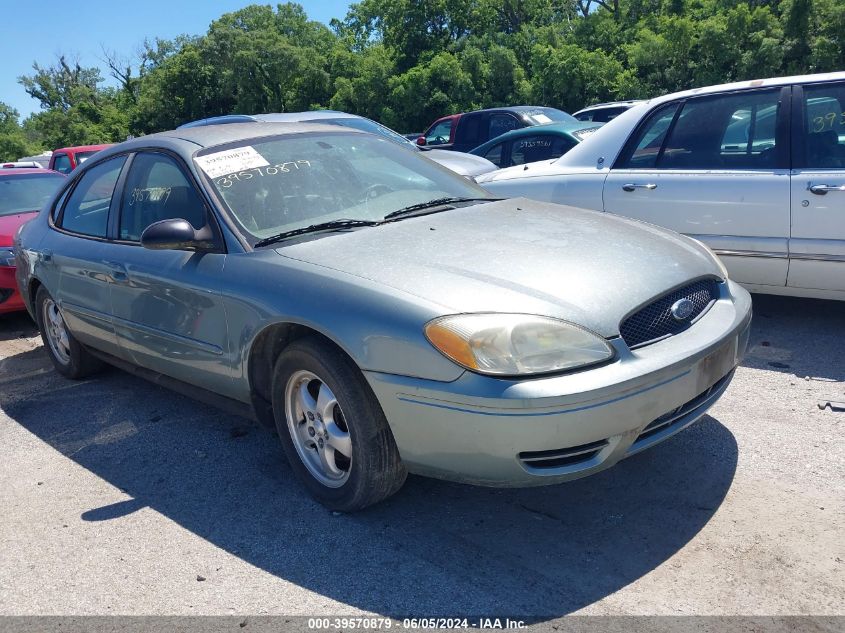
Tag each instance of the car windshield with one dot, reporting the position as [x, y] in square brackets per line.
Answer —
[366, 125]
[548, 115]
[278, 184]
[22, 193]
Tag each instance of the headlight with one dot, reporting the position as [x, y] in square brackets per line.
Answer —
[715, 257]
[7, 256]
[515, 344]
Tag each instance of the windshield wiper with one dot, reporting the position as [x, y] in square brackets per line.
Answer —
[322, 226]
[437, 202]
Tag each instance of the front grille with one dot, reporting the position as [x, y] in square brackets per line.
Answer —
[561, 456]
[655, 321]
[678, 415]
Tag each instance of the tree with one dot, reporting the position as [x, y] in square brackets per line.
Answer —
[62, 85]
[407, 62]
[14, 142]
[75, 110]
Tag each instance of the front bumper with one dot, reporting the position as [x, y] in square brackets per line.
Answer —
[497, 432]
[10, 298]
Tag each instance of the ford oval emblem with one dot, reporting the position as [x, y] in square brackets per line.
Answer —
[682, 309]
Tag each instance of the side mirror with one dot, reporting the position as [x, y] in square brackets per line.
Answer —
[421, 141]
[177, 235]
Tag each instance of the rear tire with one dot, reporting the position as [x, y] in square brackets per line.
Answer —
[69, 357]
[333, 430]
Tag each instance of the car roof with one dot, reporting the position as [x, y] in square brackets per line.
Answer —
[19, 171]
[518, 109]
[271, 117]
[189, 139]
[610, 104]
[749, 85]
[312, 115]
[559, 128]
[83, 148]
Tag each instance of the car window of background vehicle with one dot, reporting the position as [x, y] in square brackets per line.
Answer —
[469, 129]
[81, 157]
[494, 154]
[825, 126]
[26, 192]
[501, 123]
[697, 139]
[541, 147]
[366, 125]
[440, 134]
[87, 208]
[155, 190]
[61, 163]
[642, 151]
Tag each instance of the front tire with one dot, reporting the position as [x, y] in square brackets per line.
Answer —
[69, 357]
[333, 430]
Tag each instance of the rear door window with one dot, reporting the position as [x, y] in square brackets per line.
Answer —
[87, 208]
[540, 147]
[469, 130]
[501, 123]
[824, 126]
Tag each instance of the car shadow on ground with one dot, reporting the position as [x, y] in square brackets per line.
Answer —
[16, 325]
[436, 548]
[796, 336]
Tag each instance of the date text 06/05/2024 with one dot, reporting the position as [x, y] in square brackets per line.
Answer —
[376, 623]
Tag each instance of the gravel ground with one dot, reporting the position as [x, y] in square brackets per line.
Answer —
[120, 497]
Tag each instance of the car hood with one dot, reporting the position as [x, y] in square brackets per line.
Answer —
[9, 225]
[518, 256]
[464, 164]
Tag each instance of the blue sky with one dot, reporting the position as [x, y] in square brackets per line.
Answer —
[38, 31]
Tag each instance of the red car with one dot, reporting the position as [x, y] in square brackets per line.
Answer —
[66, 159]
[22, 193]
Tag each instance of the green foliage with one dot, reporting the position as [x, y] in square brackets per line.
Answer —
[407, 62]
[14, 141]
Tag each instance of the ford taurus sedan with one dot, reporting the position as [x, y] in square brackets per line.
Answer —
[383, 314]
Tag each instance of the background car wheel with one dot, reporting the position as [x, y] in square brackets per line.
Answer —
[69, 357]
[332, 428]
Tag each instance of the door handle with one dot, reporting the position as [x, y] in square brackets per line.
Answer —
[821, 190]
[117, 271]
[631, 186]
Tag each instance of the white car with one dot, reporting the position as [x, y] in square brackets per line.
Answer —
[604, 112]
[755, 170]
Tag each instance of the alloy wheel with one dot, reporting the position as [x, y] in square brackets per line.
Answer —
[56, 331]
[318, 428]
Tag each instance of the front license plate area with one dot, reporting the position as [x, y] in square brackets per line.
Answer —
[716, 364]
